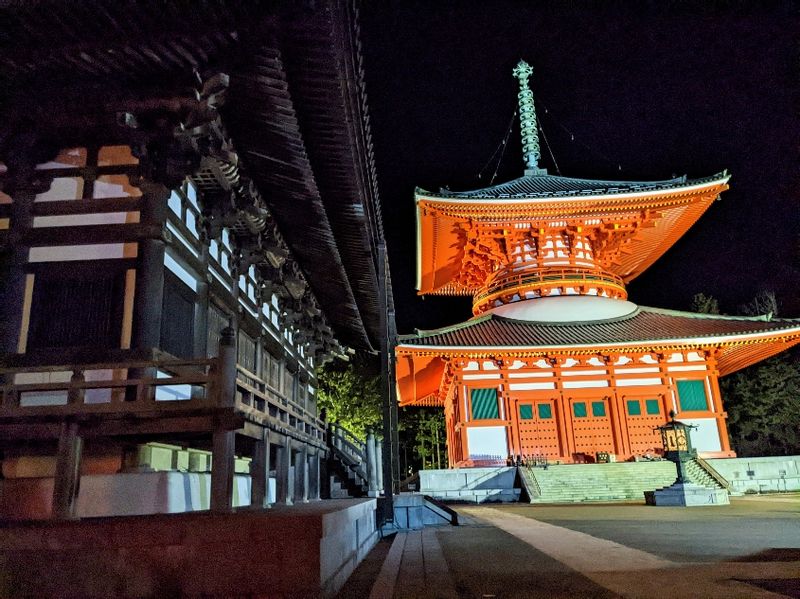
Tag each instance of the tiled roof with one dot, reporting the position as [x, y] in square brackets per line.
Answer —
[643, 325]
[544, 186]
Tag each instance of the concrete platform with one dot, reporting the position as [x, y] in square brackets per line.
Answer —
[306, 550]
[747, 550]
[472, 485]
[687, 495]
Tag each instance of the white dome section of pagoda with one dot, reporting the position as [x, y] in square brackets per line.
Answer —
[566, 308]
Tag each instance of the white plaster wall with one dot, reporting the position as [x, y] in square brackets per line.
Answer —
[706, 436]
[487, 440]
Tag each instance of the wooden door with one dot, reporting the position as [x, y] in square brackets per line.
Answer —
[591, 427]
[537, 425]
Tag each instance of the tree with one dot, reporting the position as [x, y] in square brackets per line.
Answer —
[705, 304]
[349, 392]
[762, 405]
[422, 430]
[764, 302]
[761, 400]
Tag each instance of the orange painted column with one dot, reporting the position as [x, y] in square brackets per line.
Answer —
[716, 400]
[565, 416]
[512, 417]
[621, 441]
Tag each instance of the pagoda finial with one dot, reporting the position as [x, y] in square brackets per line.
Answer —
[527, 120]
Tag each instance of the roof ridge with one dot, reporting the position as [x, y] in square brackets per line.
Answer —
[422, 333]
[598, 184]
[701, 315]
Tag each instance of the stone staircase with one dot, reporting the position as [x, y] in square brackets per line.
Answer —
[578, 483]
[699, 476]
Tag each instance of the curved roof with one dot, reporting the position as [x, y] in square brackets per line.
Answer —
[547, 186]
[742, 341]
[664, 211]
[296, 110]
[643, 325]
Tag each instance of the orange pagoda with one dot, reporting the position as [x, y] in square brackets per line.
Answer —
[556, 363]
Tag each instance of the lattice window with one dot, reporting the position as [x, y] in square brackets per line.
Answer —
[652, 407]
[526, 411]
[484, 404]
[579, 409]
[692, 395]
[545, 411]
[634, 407]
[598, 409]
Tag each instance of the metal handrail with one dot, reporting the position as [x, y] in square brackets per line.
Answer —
[723, 482]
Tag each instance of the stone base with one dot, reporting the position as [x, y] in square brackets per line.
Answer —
[125, 494]
[307, 550]
[473, 485]
[412, 511]
[687, 495]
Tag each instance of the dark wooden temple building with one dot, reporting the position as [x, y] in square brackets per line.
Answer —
[189, 225]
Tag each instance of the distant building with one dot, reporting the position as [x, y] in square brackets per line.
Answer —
[189, 226]
[556, 363]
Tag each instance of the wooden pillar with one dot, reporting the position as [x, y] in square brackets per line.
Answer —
[67, 478]
[716, 402]
[200, 318]
[148, 297]
[259, 472]
[372, 466]
[301, 475]
[324, 476]
[226, 376]
[379, 464]
[619, 431]
[283, 456]
[564, 416]
[313, 477]
[222, 467]
[12, 290]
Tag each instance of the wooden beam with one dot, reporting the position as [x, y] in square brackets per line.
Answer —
[56, 208]
[88, 234]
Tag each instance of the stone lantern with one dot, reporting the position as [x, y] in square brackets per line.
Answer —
[683, 492]
[677, 444]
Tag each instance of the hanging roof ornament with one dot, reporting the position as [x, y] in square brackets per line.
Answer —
[527, 121]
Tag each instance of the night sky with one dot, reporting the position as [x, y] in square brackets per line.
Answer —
[631, 91]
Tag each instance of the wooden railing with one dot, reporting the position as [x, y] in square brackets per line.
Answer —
[159, 386]
[342, 439]
[519, 282]
[130, 386]
[256, 397]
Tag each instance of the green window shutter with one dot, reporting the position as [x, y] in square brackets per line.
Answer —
[692, 395]
[525, 411]
[634, 408]
[579, 409]
[545, 411]
[652, 406]
[484, 404]
[598, 409]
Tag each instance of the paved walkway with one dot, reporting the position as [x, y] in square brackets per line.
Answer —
[748, 550]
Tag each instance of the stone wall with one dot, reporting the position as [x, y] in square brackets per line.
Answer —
[478, 485]
[307, 550]
[125, 494]
[769, 474]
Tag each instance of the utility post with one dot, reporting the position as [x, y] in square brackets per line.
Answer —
[390, 473]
